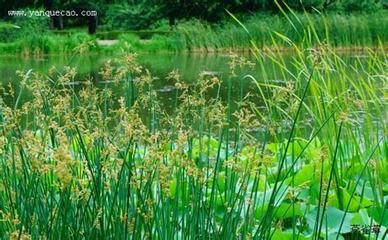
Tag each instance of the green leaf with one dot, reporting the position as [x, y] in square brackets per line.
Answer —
[331, 220]
[355, 202]
[5, 25]
[286, 210]
[309, 173]
[207, 146]
[260, 211]
[305, 175]
[379, 214]
[287, 235]
[361, 218]
[221, 184]
[334, 217]
[262, 184]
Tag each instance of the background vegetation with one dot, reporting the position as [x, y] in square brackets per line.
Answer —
[141, 14]
[175, 26]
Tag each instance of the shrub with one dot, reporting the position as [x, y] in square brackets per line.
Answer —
[361, 5]
[25, 26]
[133, 17]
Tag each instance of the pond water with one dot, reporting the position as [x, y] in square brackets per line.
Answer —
[188, 65]
[160, 65]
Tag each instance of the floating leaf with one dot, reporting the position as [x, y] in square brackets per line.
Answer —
[331, 220]
[361, 218]
[287, 235]
[286, 210]
[355, 202]
[379, 214]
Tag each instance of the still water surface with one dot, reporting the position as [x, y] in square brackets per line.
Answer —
[190, 66]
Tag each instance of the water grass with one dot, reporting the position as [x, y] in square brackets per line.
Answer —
[339, 30]
[302, 158]
[344, 32]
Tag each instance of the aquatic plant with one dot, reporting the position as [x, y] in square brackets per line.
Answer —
[306, 161]
[303, 157]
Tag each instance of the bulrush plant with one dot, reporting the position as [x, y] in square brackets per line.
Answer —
[303, 158]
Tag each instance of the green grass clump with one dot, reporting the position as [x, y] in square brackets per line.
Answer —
[38, 45]
[300, 159]
[157, 43]
[345, 30]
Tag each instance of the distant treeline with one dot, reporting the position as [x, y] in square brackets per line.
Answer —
[142, 14]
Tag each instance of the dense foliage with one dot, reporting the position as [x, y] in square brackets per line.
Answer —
[339, 30]
[140, 14]
[23, 27]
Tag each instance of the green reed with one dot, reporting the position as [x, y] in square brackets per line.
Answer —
[341, 30]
